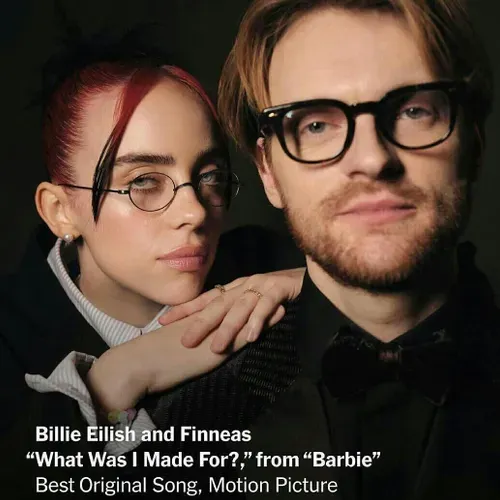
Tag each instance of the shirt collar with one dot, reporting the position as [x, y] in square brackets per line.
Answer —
[319, 320]
[112, 330]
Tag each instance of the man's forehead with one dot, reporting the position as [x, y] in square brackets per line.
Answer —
[348, 55]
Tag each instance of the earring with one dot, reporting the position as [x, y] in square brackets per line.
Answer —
[68, 238]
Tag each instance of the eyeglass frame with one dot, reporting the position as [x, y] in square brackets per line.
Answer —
[176, 188]
[272, 117]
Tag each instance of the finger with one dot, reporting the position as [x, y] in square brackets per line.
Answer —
[241, 340]
[259, 307]
[211, 317]
[267, 312]
[193, 306]
[276, 317]
[229, 313]
[235, 283]
[251, 334]
[197, 332]
[207, 320]
[199, 303]
[234, 321]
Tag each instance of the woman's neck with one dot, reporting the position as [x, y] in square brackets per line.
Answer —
[113, 299]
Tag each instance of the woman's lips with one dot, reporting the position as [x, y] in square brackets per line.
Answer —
[187, 258]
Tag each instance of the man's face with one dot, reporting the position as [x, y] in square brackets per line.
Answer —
[379, 214]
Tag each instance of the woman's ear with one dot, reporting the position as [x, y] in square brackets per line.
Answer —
[267, 175]
[54, 208]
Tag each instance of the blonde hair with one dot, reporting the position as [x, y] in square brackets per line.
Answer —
[443, 28]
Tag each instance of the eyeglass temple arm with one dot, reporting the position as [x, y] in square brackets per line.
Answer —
[119, 191]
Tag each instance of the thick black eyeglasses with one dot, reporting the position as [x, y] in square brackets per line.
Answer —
[321, 130]
[155, 191]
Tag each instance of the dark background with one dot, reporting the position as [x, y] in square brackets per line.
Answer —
[201, 32]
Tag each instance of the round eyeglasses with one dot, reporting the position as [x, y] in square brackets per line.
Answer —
[321, 130]
[155, 191]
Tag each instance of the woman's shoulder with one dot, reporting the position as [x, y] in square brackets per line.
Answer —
[30, 283]
[39, 324]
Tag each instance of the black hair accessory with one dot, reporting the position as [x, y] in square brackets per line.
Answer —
[138, 45]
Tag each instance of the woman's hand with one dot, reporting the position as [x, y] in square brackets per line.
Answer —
[154, 362]
[240, 309]
[207, 326]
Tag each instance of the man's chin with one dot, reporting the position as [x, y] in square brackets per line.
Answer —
[382, 269]
[376, 262]
[369, 275]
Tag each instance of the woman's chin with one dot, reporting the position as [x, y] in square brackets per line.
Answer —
[180, 290]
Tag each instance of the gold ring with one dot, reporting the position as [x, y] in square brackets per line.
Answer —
[221, 288]
[252, 290]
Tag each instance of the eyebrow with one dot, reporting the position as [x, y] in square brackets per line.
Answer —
[149, 158]
[165, 159]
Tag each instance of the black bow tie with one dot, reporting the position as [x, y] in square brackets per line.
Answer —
[353, 364]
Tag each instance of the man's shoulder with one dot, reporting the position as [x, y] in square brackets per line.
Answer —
[233, 395]
[271, 365]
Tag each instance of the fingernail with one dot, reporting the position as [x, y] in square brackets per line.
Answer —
[187, 339]
[218, 347]
[252, 334]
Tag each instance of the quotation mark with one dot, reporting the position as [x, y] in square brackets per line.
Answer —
[246, 456]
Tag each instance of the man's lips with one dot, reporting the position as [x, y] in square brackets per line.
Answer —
[187, 258]
[378, 211]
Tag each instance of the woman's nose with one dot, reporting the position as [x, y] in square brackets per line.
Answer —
[186, 207]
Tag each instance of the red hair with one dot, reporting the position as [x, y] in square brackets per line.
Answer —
[63, 115]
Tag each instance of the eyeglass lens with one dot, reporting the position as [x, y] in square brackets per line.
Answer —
[413, 120]
[154, 190]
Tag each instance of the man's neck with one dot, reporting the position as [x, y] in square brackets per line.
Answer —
[386, 316]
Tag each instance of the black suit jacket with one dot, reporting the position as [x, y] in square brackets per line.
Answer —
[462, 459]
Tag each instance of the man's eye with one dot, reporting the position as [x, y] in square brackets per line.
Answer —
[315, 127]
[415, 112]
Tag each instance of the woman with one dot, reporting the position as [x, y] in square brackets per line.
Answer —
[144, 225]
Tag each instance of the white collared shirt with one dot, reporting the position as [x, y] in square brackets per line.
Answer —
[66, 378]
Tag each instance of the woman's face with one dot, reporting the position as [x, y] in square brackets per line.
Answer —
[128, 253]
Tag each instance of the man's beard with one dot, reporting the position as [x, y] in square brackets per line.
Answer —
[414, 250]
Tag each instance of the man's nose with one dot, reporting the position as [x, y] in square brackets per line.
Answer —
[368, 154]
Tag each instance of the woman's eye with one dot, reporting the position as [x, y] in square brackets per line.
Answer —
[144, 182]
[211, 177]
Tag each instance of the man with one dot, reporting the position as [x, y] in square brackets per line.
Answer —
[366, 122]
